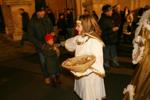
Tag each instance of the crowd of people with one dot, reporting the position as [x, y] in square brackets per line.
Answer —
[91, 36]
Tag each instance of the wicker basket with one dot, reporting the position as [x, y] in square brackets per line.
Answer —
[79, 63]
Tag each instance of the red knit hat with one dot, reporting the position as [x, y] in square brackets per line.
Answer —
[49, 37]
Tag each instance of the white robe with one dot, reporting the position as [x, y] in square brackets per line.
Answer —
[89, 86]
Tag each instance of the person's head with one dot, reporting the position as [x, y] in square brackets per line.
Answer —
[86, 12]
[126, 8]
[107, 9]
[117, 8]
[87, 24]
[41, 12]
[61, 16]
[93, 12]
[68, 11]
[49, 38]
[21, 10]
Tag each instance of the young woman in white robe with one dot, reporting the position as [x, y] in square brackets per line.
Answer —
[88, 85]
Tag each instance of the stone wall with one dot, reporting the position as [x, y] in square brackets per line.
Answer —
[12, 18]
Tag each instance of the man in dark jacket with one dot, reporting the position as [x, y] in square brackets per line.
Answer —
[109, 35]
[25, 21]
[39, 26]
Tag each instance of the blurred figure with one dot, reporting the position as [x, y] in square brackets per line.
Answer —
[146, 7]
[51, 52]
[138, 13]
[109, 35]
[2, 24]
[69, 18]
[25, 19]
[70, 22]
[127, 27]
[85, 13]
[118, 21]
[39, 26]
[95, 15]
[140, 57]
[89, 85]
[25, 22]
[126, 11]
[117, 15]
[51, 15]
[62, 27]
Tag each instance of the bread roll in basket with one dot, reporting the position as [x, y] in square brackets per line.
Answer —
[79, 63]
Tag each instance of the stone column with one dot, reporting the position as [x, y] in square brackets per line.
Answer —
[12, 18]
[78, 7]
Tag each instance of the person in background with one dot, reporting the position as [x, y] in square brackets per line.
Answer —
[25, 21]
[69, 17]
[95, 15]
[85, 13]
[51, 16]
[70, 22]
[127, 27]
[118, 21]
[39, 26]
[89, 85]
[51, 52]
[62, 27]
[109, 35]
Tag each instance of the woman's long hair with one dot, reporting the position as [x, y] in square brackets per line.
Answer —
[90, 26]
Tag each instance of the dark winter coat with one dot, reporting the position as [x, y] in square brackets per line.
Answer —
[38, 28]
[25, 21]
[52, 18]
[106, 25]
[51, 58]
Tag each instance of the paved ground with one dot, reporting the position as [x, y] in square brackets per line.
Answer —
[21, 79]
